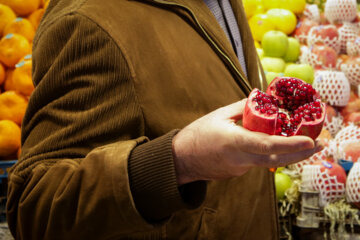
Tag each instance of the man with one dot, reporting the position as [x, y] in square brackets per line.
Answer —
[135, 108]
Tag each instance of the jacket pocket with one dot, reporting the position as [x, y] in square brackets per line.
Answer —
[207, 225]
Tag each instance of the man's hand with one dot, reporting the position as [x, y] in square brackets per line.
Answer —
[214, 147]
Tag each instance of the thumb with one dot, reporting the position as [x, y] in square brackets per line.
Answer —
[234, 111]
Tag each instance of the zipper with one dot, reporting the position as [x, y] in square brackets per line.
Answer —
[244, 84]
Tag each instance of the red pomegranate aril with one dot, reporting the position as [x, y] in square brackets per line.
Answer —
[289, 107]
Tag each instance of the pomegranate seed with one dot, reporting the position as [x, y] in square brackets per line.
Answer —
[318, 115]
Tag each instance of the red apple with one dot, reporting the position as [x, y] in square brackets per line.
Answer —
[324, 34]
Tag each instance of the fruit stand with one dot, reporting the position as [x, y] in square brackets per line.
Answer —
[317, 41]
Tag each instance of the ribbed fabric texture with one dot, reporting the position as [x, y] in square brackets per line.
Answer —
[153, 181]
[225, 16]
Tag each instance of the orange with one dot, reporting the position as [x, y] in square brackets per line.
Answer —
[12, 106]
[22, 7]
[36, 16]
[2, 74]
[45, 3]
[12, 48]
[22, 27]
[9, 84]
[10, 138]
[22, 78]
[6, 15]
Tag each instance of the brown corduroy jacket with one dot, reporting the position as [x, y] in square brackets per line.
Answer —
[114, 80]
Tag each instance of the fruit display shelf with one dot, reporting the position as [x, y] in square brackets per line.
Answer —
[4, 166]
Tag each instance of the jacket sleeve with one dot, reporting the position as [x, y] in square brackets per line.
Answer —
[81, 127]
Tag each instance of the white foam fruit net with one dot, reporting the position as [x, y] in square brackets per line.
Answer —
[322, 155]
[353, 47]
[352, 72]
[347, 33]
[318, 62]
[346, 135]
[353, 184]
[340, 10]
[315, 38]
[341, 154]
[304, 54]
[334, 125]
[333, 87]
[312, 12]
[312, 178]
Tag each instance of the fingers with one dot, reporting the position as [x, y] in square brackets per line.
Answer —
[281, 160]
[264, 144]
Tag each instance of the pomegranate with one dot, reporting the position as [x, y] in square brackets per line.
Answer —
[289, 107]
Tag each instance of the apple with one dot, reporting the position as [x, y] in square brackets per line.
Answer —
[282, 183]
[272, 64]
[303, 71]
[271, 75]
[293, 51]
[322, 57]
[302, 29]
[352, 118]
[274, 43]
[352, 151]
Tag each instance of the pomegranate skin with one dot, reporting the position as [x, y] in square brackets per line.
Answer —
[312, 129]
[255, 121]
[285, 120]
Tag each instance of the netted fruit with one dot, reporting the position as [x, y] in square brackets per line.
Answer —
[289, 107]
[322, 57]
[333, 87]
[351, 68]
[324, 34]
[348, 32]
[302, 29]
[348, 134]
[353, 47]
[340, 10]
[326, 177]
[353, 185]
[333, 121]
[312, 12]
[352, 118]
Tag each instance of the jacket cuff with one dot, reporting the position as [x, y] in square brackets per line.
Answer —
[153, 181]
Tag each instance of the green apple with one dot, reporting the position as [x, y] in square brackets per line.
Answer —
[302, 71]
[271, 75]
[282, 183]
[275, 43]
[272, 64]
[260, 52]
[293, 51]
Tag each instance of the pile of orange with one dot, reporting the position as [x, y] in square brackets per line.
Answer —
[18, 23]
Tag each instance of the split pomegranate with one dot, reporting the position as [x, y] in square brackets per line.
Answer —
[289, 107]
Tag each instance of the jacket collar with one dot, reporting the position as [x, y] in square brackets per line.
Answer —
[214, 30]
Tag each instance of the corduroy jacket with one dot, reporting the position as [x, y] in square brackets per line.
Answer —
[114, 81]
